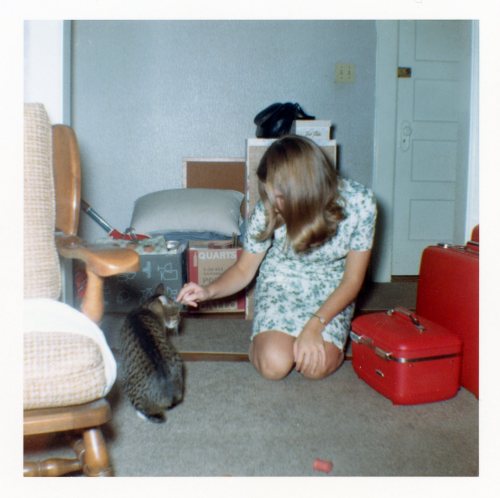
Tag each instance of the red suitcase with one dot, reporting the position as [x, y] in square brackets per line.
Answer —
[405, 357]
[448, 294]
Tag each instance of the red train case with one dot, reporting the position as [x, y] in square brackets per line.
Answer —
[406, 358]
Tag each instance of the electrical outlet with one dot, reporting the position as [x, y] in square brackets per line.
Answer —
[344, 73]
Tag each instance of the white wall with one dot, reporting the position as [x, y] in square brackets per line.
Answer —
[147, 94]
[43, 66]
[46, 64]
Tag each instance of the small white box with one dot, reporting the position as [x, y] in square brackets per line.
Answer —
[315, 129]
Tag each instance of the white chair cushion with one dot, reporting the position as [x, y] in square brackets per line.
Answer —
[67, 360]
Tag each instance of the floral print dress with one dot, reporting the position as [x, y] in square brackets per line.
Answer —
[291, 286]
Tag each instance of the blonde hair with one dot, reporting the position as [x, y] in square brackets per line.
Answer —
[299, 170]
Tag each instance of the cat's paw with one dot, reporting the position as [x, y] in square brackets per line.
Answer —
[157, 418]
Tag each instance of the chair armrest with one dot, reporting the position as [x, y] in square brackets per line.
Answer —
[100, 260]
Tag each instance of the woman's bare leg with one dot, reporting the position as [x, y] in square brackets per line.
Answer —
[271, 353]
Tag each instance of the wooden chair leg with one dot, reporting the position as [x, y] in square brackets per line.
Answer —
[52, 467]
[93, 302]
[96, 459]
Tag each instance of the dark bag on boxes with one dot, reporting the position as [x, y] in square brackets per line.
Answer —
[277, 119]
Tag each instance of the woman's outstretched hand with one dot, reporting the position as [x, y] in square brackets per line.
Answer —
[309, 352]
[192, 294]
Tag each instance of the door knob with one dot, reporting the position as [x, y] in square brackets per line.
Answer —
[406, 131]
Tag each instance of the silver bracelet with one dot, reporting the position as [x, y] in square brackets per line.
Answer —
[320, 318]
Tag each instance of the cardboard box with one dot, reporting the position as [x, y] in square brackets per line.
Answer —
[207, 260]
[226, 174]
[161, 262]
[215, 173]
[315, 129]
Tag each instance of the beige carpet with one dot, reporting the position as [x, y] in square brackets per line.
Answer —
[232, 422]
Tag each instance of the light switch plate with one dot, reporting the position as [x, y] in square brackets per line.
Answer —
[344, 73]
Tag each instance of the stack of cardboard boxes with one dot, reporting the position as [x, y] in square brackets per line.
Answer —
[171, 263]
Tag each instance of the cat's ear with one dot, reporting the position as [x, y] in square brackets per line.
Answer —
[160, 289]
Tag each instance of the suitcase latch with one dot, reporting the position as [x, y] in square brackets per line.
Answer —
[383, 354]
[368, 342]
[361, 339]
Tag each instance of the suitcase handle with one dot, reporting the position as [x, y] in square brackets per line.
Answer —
[413, 318]
[472, 246]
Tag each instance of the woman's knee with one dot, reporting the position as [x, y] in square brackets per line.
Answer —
[272, 365]
[272, 358]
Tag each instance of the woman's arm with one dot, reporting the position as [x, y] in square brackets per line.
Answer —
[309, 348]
[347, 291]
[235, 278]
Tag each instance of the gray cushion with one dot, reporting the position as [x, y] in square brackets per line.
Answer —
[188, 210]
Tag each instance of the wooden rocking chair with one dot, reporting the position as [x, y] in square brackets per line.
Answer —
[66, 373]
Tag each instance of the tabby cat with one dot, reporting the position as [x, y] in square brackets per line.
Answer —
[152, 369]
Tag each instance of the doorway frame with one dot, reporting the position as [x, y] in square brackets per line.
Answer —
[384, 145]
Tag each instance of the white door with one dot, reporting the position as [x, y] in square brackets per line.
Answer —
[431, 138]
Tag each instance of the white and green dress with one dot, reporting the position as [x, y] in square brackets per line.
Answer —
[291, 286]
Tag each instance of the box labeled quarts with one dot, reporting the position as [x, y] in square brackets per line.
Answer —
[207, 260]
